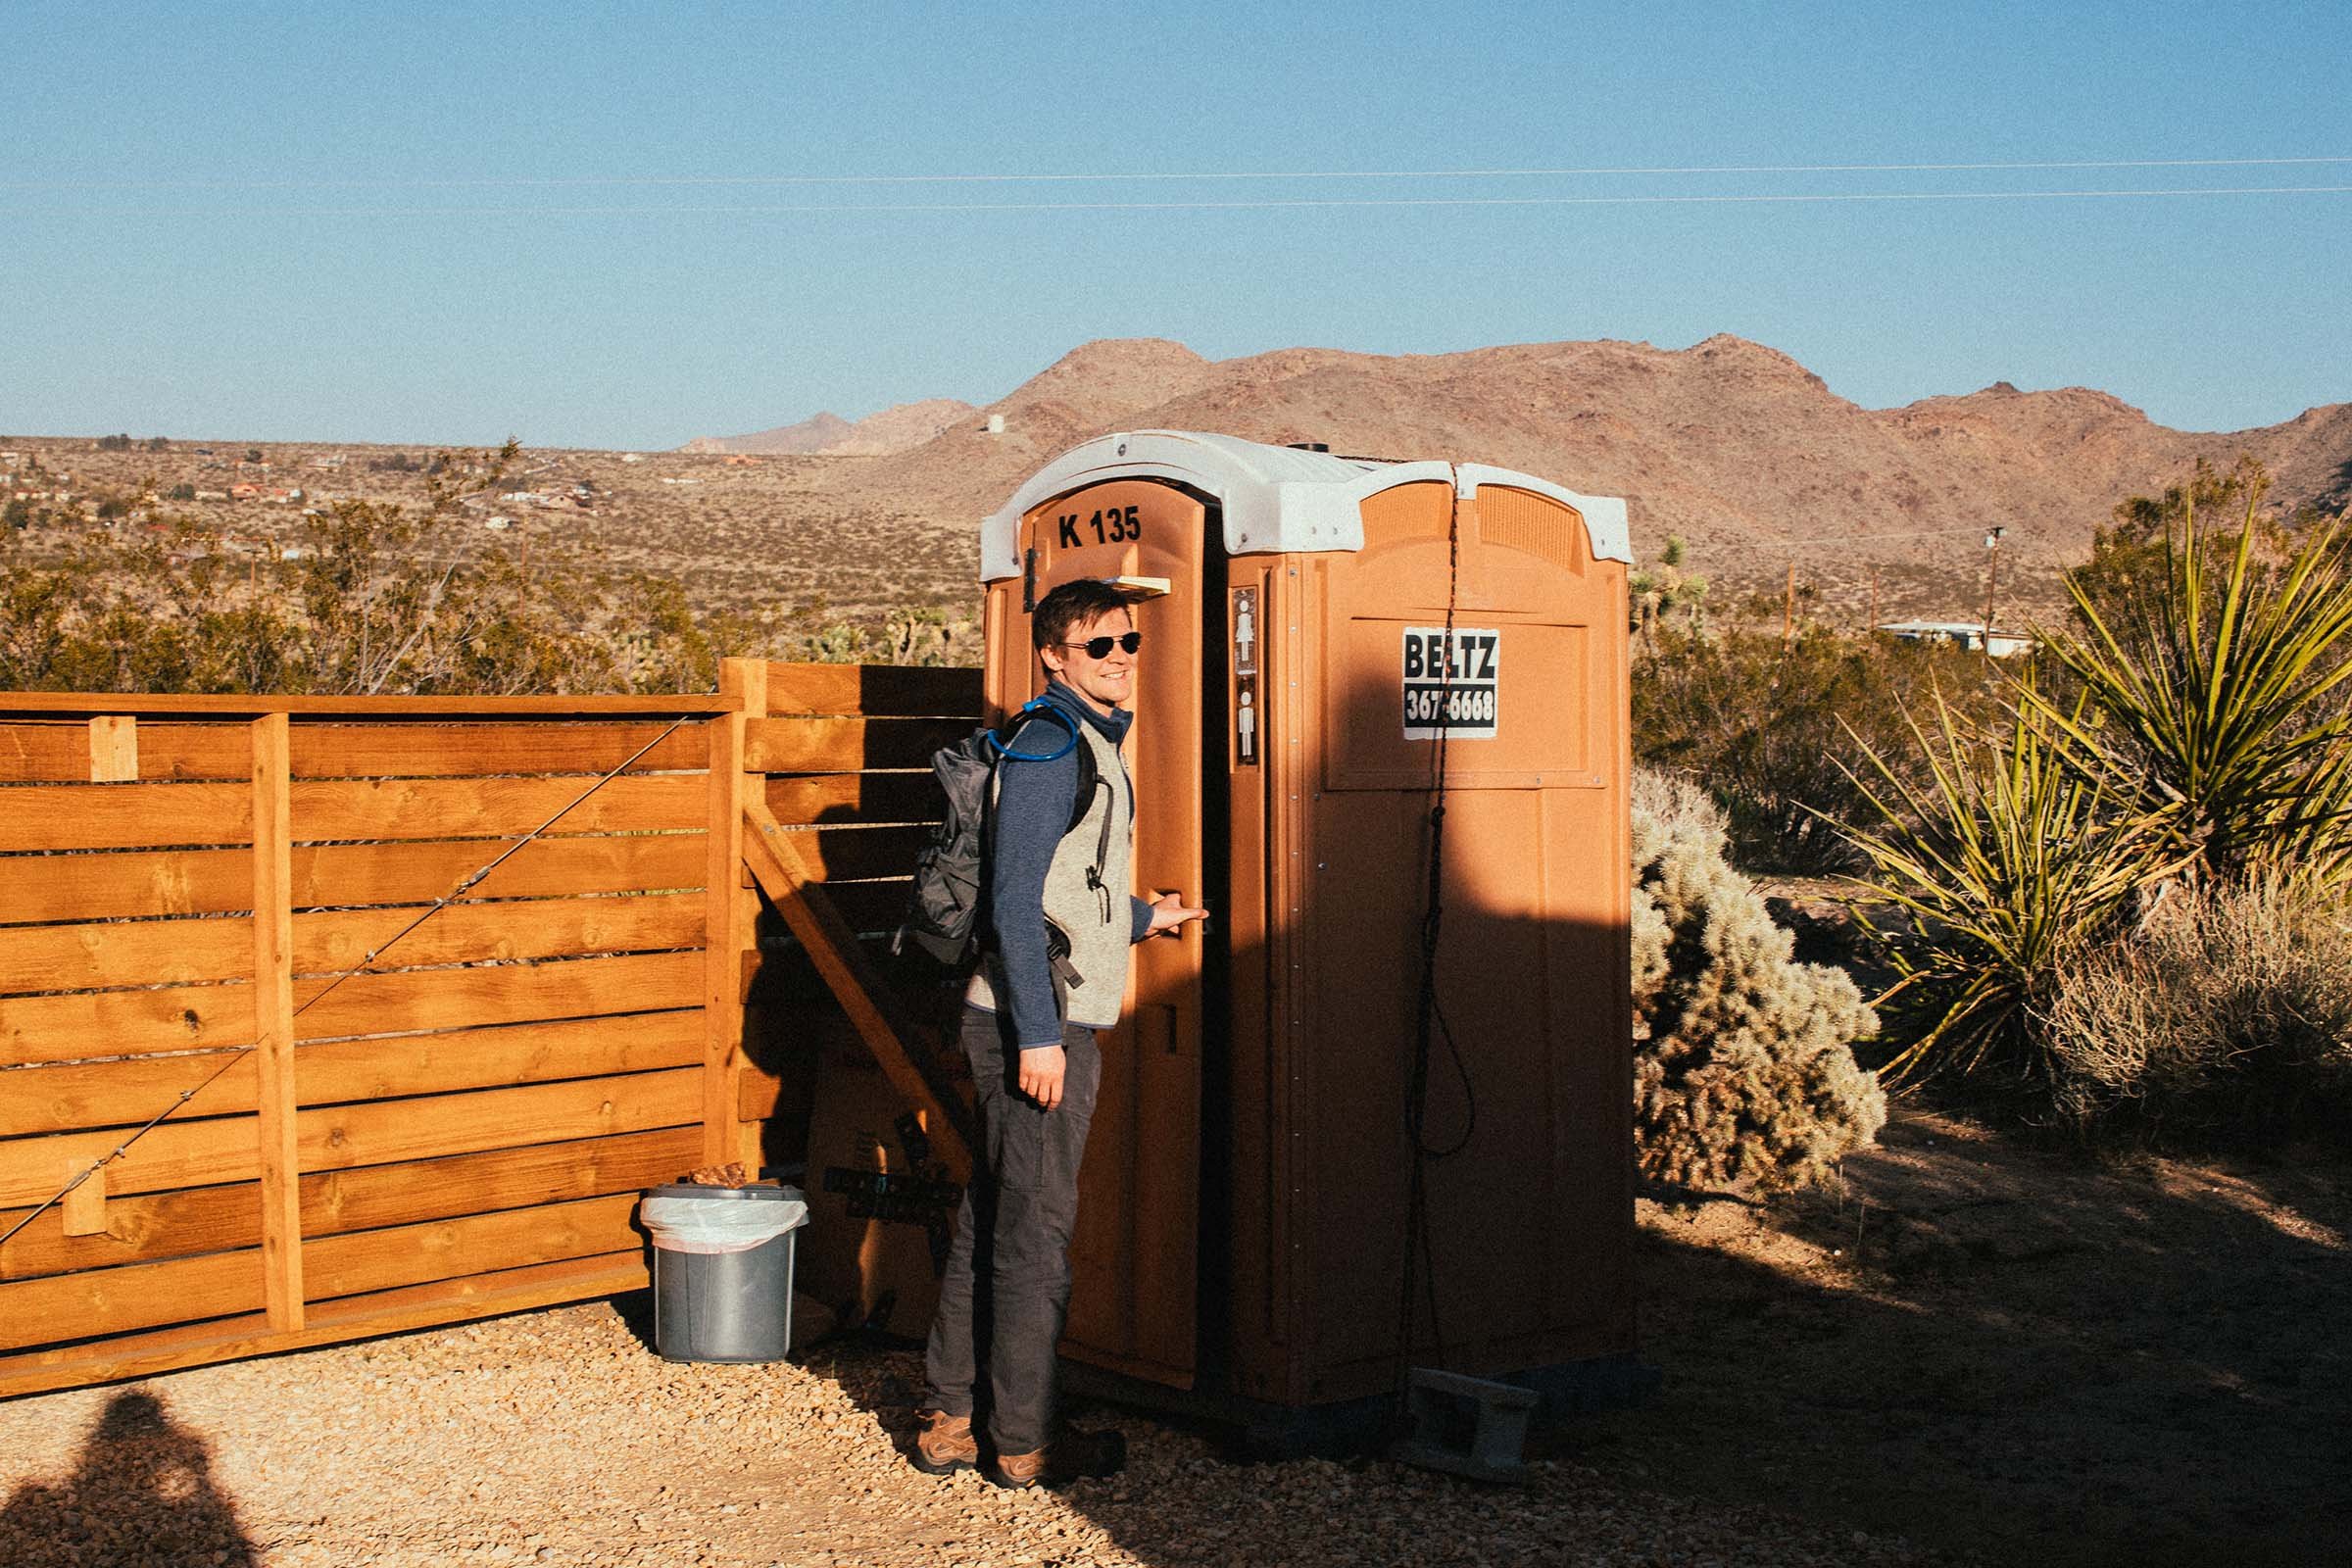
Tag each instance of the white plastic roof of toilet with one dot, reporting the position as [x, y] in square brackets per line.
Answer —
[1275, 500]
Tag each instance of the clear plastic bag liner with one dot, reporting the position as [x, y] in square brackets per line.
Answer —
[712, 1225]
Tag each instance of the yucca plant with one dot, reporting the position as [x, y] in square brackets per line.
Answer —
[2209, 722]
[1981, 880]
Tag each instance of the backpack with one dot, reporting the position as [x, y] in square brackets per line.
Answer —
[942, 909]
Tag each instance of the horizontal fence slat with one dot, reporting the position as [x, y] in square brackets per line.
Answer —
[540, 928]
[819, 798]
[380, 1132]
[110, 885]
[63, 888]
[494, 993]
[354, 1317]
[95, 1025]
[125, 953]
[60, 752]
[849, 854]
[208, 1219]
[222, 1148]
[124, 816]
[116, 1300]
[418, 750]
[478, 1244]
[874, 690]
[845, 745]
[448, 809]
[686, 705]
[78, 1095]
[420, 872]
[125, 1023]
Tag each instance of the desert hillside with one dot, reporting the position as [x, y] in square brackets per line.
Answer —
[1735, 447]
[893, 429]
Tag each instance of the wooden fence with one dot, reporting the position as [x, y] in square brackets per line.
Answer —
[210, 912]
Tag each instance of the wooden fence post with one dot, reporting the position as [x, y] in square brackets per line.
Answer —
[743, 682]
[274, 1020]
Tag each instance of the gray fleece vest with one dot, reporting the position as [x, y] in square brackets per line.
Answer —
[1097, 920]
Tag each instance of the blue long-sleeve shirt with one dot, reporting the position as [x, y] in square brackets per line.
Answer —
[1034, 802]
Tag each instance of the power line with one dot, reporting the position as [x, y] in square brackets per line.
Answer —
[814, 208]
[1200, 176]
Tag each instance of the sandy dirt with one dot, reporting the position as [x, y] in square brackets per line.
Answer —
[2006, 1348]
[1974, 1349]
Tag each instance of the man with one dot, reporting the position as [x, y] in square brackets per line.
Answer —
[1061, 923]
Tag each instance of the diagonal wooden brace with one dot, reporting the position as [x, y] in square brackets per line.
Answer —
[775, 864]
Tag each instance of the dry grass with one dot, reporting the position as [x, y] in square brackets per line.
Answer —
[2230, 1012]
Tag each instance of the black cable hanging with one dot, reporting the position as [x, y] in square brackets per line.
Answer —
[1429, 1023]
[240, 1055]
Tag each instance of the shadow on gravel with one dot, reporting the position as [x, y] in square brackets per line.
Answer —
[2009, 1352]
[141, 1492]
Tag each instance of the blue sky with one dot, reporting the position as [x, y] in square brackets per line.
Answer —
[453, 224]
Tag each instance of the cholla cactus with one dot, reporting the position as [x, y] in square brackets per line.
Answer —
[1743, 1067]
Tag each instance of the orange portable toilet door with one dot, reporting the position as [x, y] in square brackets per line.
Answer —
[1135, 1288]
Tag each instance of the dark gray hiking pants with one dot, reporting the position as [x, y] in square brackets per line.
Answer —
[1006, 1290]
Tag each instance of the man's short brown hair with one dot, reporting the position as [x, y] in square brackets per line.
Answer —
[1074, 604]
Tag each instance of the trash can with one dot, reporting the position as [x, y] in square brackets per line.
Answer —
[723, 1270]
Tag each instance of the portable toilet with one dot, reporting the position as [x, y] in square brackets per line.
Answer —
[1243, 1224]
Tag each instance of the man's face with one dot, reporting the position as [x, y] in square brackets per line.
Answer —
[1108, 682]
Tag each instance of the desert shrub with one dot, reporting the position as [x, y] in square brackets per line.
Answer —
[1982, 881]
[2212, 711]
[377, 599]
[2228, 1016]
[1743, 1063]
[2191, 748]
[1772, 728]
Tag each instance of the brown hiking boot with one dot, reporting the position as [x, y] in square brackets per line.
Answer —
[1072, 1456]
[945, 1443]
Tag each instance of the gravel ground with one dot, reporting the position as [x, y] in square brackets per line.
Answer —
[559, 1438]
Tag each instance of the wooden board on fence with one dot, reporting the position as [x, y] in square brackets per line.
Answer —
[874, 690]
[208, 1219]
[422, 872]
[442, 751]
[110, 885]
[59, 752]
[125, 1023]
[474, 808]
[841, 799]
[125, 816]
[125, 953]
[126, 1091]
[478, 1244]
[355, 1317]
[468, 933]
[495, 994]
[845, 745]
[117, 1301]
[221, 1149]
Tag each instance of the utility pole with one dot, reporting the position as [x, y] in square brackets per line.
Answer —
[1992, 581]
[1789, 610]
[1871, 628]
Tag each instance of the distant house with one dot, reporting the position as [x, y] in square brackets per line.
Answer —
[632, 457]
[1973, 635]
[245, 490]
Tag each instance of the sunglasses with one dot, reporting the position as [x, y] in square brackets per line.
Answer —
[1101, 647]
